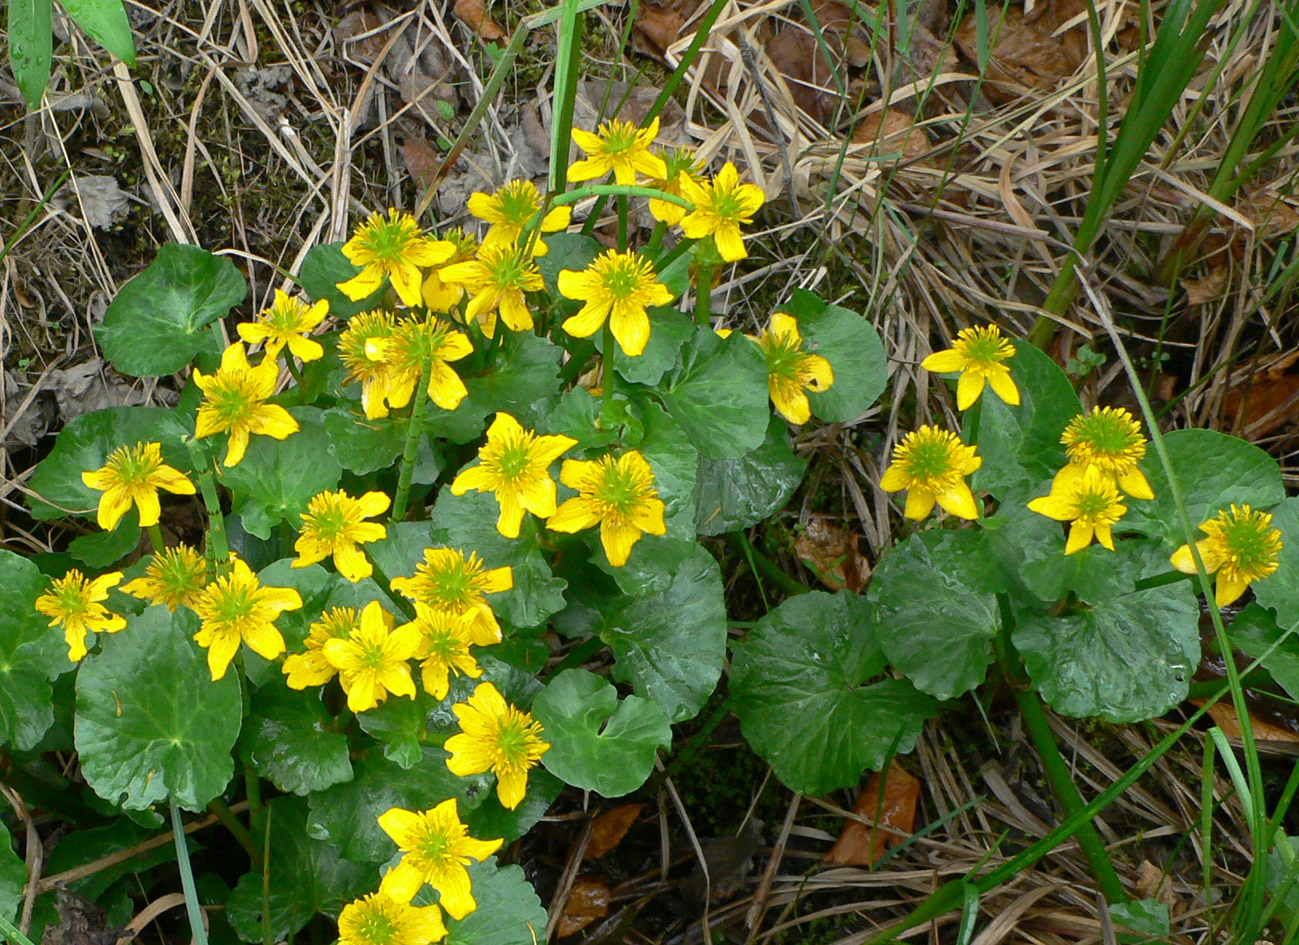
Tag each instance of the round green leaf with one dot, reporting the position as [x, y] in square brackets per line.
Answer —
[935, 595]
[491, 819]
[508, 913]
[855, 352]
[155, 325]
[1125, 659]
[400, 725]
[719, 395]
[597, 743]
[1255, 632]
[100, 549]
[566, 251]
[800, 684]
[288, 739]
[31, 654]
[277, 478]
[669, 330]
[151, 725]
[576, 413]
[1214, 471]
[735, 493]
[306, 876]
[1280, 589]
[323, 268]
[1020, 446]
[13, 877]
[675, 463]
[361, 445]
[84, 444]
[670, 642]
[524, 371]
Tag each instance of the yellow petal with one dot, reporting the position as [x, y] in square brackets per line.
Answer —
[402, 882]
[944, 362]
[457, 899]
[618, 541]
[729, 243]
[1135, 484]
[1080, 536]
[1182, 560]
[1228, 591]
[510, 788]
[959, 500]
[574, 515]
[1004, 387]
[113, 504]
[363, 285]
[919, 504]
[968, 388]
[894, 478]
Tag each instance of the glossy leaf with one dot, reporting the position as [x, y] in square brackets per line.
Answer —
[508, 913]
[323, 268]
[1254, 631]
[719, 395]
[855, 352]
[13, 879]
[288, 739]
[31, 47]
[31, 655]
[1280, 590]
[106, 23]
[675, 463]
[732, 494]
[277, 478]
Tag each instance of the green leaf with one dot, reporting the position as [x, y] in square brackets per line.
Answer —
[669, 330]
[468, 522]
[800, 685]
[936, 596]
[400, 724]
[490, 819]
[736, 493]
[347, 814]
[670, 642]
[597, 743]
[100, 549]
[1255, 632]
[1020, 446]
[576, 413]
[1125, 659]
[151, 725]
[154, 326]
[1094, 574]
[1280, 589]
[289, 739]
[84, 444]
[13, 878]
[1214, 470]
[524, 372]
[1147, 917]
[306, 876]
[317, 588]
[31, 47]
[106, 23]
[566, 251]
[675, 463]
[719, 395]
[322, 269]
[101, 843]
[508, 913]
[363, 446]
[855, 352]
[277, 478]
[31, 655]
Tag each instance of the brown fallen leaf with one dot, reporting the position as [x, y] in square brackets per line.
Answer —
[892, 132]
[421, 158]
[1272, 214]
[1026, 57]
[473, 13]
[588, 901]
[365, 24]
[1153, 884]
[610, 827]
[1225, 717]
[658, 27]
[863, 844]
[1207, 288]
[831, 552]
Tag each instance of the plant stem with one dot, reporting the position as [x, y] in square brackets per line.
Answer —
[237, 830]
[218, 546]
[704, 296]
[9, 932]
[253, 787]
[786, 582]
[622, 222]
[606, 364]
[412, 447]
[1066, 792]
[382, 580]
[656, 237]
[187, 879]
[155, 538]
[294, 370]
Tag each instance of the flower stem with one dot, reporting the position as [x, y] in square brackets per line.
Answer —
[412, 447]
[237, 830]
[155, 538]
[622, 222]
[704, 297]
[656, 238]
[383, 581]
[1066, 792]
[294, 370]
[218, 547]
[606, 364]
[192, 906]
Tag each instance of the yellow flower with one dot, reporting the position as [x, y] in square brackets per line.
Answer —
[511, 208]
[371, 662]
[1110, 439]
[931, 464]
[234, 400]
[618, 287]
[332, 525]
[619, 147]
[394, 249]
[497, 280]
[437, 848]
[134, 474]
[792, 369]
[378, 919]
[310, 668]
[721, 206]
[236, 607]
[174, 577]
[439, 295]
[1090, 502]
[426, 345]
[444, 648]
[454, 584]
[980, 355]
[75, 604]
[495, 736]
[618, 494]
[680, 162]
[1241, 548]
[287, 322]
[363, 349]
[514, 464]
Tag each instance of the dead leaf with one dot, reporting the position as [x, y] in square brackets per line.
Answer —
[588, 901]
[1225, 717]
[1267, 403]
[831, 552]
[473, 13]
[1271, 213]
[862, 844]
[1026, 56]
[102, 201]
[422, 160]
[795, 55]
[659, 25]
[1153, 883]
[892, 132]
[1207, 288]
[369, 28]
[610, 827]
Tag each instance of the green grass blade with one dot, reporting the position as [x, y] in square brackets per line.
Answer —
[567, 62]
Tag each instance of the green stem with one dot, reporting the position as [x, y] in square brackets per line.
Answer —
[606, 362]
[769, 569]
[402, 604]
[622, 222]
[155, 538]
[187, 879]
[704, 297]
[656, 238]
[294, 370]
[237, 830]
[9, 932]
[218, 546]
[412, 447]
[253, 788]
[267, 937]
[1066, 792]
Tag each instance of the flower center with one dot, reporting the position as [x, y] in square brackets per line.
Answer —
[507, 269]
[330, 522]
[930, 461]
[1093, 506]
[619, 138]
[984, 346]
[518, 203]
[621, 278]
[515, 459]
[727, 205]
[377, 928]
[784, 352]
[619, 491]
[234, 602]
[1250, 545]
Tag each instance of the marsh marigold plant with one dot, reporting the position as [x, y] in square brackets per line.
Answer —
[132, 475]
[436, 848]
[497, 737]
[76, 604]
[931, 464]
[1242, 547]
[980, 355]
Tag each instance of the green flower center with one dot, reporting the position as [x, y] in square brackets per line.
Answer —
[73, 599]
[515, 459]
[982, 346]
[517, 204]
[330, 522]
[132, 464]
[619, 138]
[387, 239]
[728, 206]
[621, 278]
[619, 489]
[1252, 545]
[508, 269]
[377, 928]
[233, 602]
[512, 739]
[783, 353]
[929, 460]
[1093, 505]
